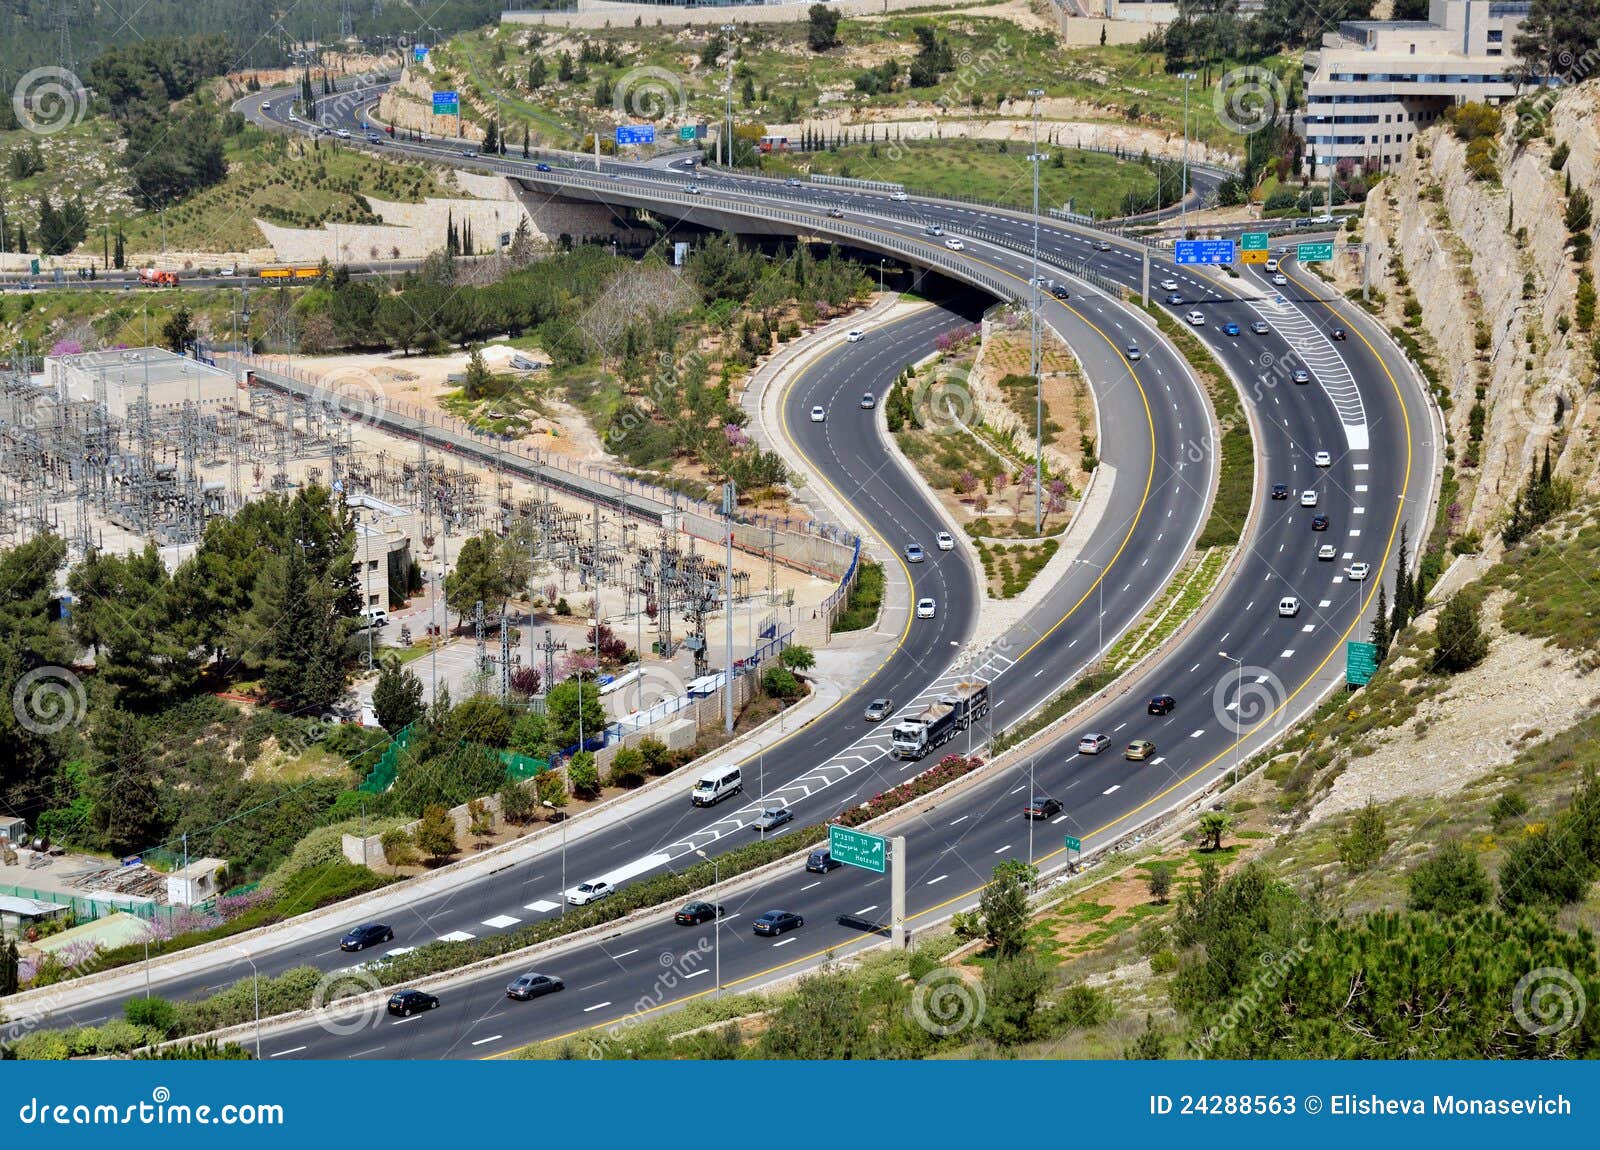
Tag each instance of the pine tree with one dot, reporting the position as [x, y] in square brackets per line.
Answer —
[1403, 610]
[524, 141]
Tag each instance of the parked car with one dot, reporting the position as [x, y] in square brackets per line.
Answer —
[879, 710]
[1161, 705]
[776, 922]
[771, 818]
[696, 913]
[592, 891]
[365, 935]
[526, 986]
[1093, 743]
[408, 1002]
[1042, 807]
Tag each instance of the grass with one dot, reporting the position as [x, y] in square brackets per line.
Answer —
[985, 170]
[1551, 597]
[1171, 612]
[864, 601]
[1011, 568]
[134, 317]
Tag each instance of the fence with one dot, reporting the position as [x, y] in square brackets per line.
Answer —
[865, 185]
[86, 909]
[383, 775]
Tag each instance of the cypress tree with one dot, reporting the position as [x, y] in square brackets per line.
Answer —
[1402, 589]
[1380, 625]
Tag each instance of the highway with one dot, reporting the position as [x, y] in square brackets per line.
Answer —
[1361, 408]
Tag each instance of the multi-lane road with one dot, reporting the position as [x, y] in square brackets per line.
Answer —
[1360, 406]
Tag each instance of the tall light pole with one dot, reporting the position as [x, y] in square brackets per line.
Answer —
[1238, 703]
[716, 918]
[1183, 196]
[730, 505]
[552, 807]
[880, 276]
[727, 127]
[1100, 607]
[1034, 358]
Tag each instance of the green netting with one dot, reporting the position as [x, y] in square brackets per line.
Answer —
[383, 775]
[521, 767]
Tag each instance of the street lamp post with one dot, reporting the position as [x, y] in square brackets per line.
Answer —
[552, 807]
[1183, 196]
[1100, 608]
[1034, 357]
[1238, 703]
[880, 276]
[727, 132]
[716, 918]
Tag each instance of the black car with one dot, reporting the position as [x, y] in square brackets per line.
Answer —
[1319, 523]
[526, 986]
[1162, 705]
[1280, 491]
[408, 1002]
[1042, 807]
[775, 922]
[1059, 292]
[696, 913]
[365, 935]
[1339, 333]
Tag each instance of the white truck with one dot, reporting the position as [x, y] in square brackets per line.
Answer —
[956, 710]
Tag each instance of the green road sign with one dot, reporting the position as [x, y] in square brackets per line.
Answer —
[1073, 844]
[686, 133]
[857, 848]
[33, 267]
[1314, 253]
[1253, 242]
[1360, 663]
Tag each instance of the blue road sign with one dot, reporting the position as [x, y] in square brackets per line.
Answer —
[447, 103]
[1203, 251]
[636, 134]
[419, 52]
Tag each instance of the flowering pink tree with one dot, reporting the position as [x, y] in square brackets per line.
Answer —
[578, 663]
[66, 347]
[736, 435]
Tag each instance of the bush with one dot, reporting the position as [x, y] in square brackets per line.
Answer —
[657, 759]
[627, 769]
[584, 775]
[518, 803]
[156, 1015]
[436, 833]
[1368, 837]
[780, 683]
[797, 658]
[1508, 807]
[1451, 881]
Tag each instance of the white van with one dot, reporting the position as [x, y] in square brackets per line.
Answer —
[716, 785]
[1272, 266]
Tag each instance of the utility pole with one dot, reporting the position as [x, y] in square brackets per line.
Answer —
[728, 30]
[1035, 358]
[729, 505]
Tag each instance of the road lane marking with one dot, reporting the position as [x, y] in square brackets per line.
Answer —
[491, 1038]
[291, 1050]
[596, 1006]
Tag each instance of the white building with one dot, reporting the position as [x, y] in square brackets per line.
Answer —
[383, 547]
[1375, 83]
[121, 379]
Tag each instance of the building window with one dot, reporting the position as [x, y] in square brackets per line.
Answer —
[372, 564]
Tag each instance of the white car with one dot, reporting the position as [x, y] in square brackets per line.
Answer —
[945, 541]
[1102, 245]
[818, 415]
[1308, 498]
[1327, 551]
[1323, 459]
[1322, 219]
[1197, 319]
[898, 197]
[1280, 279]
[1134, 353]
[342, 134]
[855, 335]
[593, 891]
[1358, 571]
[1288, 607]
[925, 609]
[954, 244]
[1169, 285]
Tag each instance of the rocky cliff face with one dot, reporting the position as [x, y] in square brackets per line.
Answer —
[1489, 265]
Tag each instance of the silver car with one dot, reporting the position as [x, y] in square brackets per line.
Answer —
[772, 817]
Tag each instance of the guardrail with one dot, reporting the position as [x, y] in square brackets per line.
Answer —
[849, 182]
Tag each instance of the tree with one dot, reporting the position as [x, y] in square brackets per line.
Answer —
[480, 821]
[126, 802]
[488, 570]
[1160, 881]
[119, 250]
[299, 637]
[657, 759]
[1214, 825]
[178, 332]
[1003, 906]
[399, 849]
[822, 1019]
[1403, 609]
[491, 138]
[436, 833]
[584, 775]
[797, 658]
[1366, 840]
[551, 787]
[822, 28]
[518, 802]
[397, 697]
[1462, 643]
[627, 769]
[563, 711]
[1449, 882]
[8, 968]
[1013, 988]
[1151, 1045]
[1380, 625]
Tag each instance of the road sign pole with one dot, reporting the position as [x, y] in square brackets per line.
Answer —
[1144, 282]
[897, 892]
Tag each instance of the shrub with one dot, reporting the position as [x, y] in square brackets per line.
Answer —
[780, 683]
[627, 769]
[156, 1015]
[1452, 880]
[1508, 807]
[436, 833]
[797, 658]
[584, 775]
[518, 802]
[657, 759]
